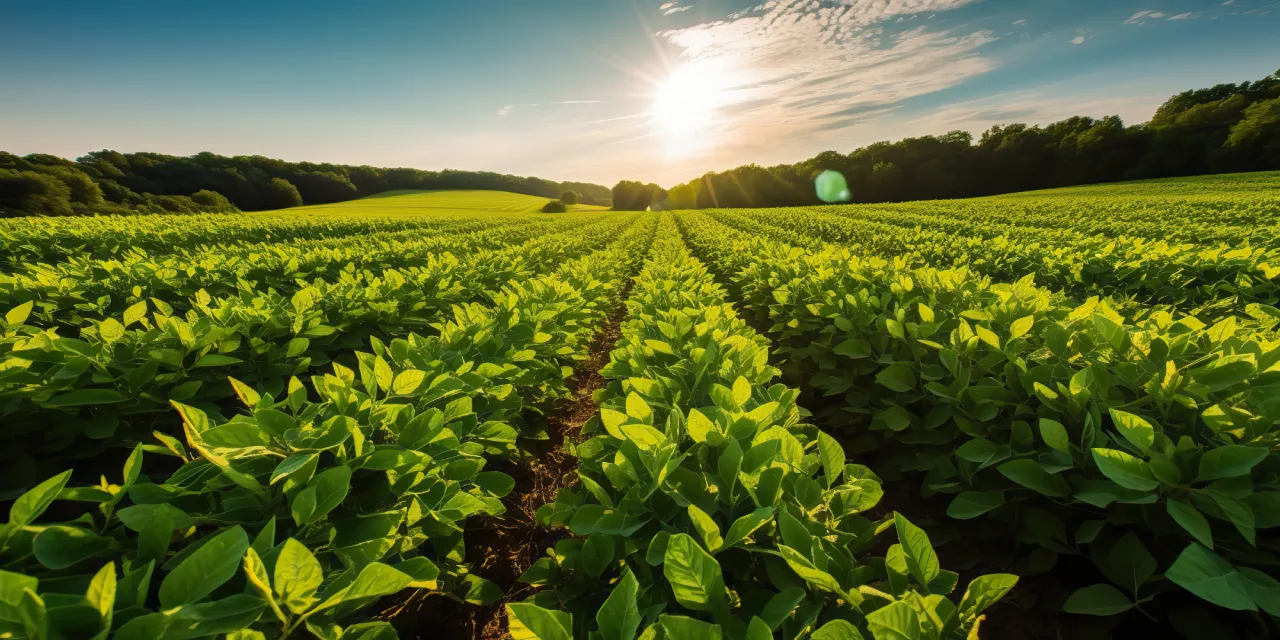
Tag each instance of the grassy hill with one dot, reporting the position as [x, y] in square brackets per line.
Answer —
[420, 202]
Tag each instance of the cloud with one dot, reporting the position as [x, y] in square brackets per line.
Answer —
[1138, 18]
[507, 109]
[1077, 40]
[1228, 2]
[789, 66]
[1190, 15]
[1021, 23]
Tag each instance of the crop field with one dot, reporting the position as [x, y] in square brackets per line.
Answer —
[445, 415]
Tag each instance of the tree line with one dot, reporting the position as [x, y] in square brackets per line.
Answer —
[1223, 129]
[112, 182]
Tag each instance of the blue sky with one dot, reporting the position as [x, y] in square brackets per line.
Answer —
[598, 90]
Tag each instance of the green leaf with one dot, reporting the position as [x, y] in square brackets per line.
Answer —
[408, 381]
[1030, 474]
[1226, 371]
[1190, 518]
[215, 360]
[375, 580]
[971, 504]
[33, 503]
[297, 576]
[1125, 470]
[985, 591]
[694, 575]
[135, 313]
[835, 630]
[1098, 600]
[597, 554]
[331, 487]
[832, 458]
[706, 527]
[897, 377]
[1055, 435]
[1210, 577]
[1231, 461]
[1131, 562]
[757, 629]
[101, 595]
[922, 560]
[1238, 512]
[897, 621]
[780, 606]
[619, 617]
[20, 313]
[531, 622]
[1137, 431]
[208, 568]
[685, 628]
[746, 525]
[59, 546]
[86, 397]
[1021, 326]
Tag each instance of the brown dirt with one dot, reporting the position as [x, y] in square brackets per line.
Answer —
[503, 548]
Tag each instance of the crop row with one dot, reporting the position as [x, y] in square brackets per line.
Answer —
[310, 504]
[706, 508]
[51, 240]
[1135, 273]
[68, 398]
[74, 290]
[1144, 447]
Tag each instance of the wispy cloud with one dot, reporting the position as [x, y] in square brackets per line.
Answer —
[675, 7]
[1020, 23]
[1142, 16]
[1190, 15]
[788, 67]
[507, 109]
[1077, 40]
[1228, 3]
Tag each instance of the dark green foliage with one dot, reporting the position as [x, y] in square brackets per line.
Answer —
[629, 195]
[555, 206]
[1227, 128]
[114, 182]
[29, 192]
[570, 197]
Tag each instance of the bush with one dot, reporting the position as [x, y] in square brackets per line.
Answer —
[555, 206]
[24, 193]
[284, 194]
[212, 201]
[570, 197]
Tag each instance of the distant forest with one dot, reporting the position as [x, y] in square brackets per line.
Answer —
[1223, 129]
[129, 183]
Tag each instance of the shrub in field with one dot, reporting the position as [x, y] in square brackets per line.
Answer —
[555, 206]
[570, 197]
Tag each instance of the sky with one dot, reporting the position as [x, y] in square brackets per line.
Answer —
[594, 90]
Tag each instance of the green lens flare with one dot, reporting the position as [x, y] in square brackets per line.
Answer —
[832, 187]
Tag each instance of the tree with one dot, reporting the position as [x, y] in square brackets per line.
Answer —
[555, 206]
[212, 201]
[284, 194]
[569, 197]
[33, 193]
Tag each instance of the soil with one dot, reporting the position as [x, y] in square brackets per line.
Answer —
[501, 549]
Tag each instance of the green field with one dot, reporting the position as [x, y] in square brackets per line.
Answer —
[442, 414]
[426, 202]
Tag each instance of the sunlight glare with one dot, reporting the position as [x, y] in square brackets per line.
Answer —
[684, 111]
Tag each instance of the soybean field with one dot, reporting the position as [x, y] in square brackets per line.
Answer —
[446, 415]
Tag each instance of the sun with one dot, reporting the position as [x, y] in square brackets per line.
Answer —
[686, 105]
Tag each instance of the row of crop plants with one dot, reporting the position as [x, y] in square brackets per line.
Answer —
[1142, 450]
[311, 502]
[115, 381]
[706, 507]
[1208, 281]
[51, 240]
